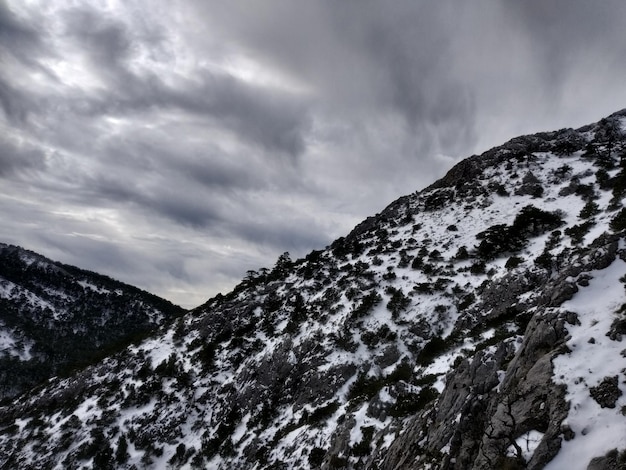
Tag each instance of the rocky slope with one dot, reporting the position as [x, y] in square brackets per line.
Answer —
[56, 318]
[476, 324]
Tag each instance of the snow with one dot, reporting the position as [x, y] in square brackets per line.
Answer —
[87, 285]
[6, 288]
[241, 428]
[13, 346]
[361, 419]
[598, 430]
[528, 442]
[9, 290]
[159, 349]
[429, 313]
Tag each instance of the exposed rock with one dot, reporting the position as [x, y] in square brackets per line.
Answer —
[458, 420]
[528, 398]
[314, 364]
[388, 357]
[569, 189]
[618, 328]
[335, 457]
[464, 171]
[611, 461]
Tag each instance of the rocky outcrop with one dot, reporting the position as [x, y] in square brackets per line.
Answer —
[528, 400]
[613, 460]
[491, 402]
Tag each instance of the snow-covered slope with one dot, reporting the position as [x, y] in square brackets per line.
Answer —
[56, 318]
[476, 324]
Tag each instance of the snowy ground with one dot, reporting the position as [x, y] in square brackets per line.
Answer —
[593, 357]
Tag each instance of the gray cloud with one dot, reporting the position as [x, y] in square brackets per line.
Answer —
[202, 139]
[18, 38]
[20, 46]
[13, 103]
[16, 159]
[103, 40]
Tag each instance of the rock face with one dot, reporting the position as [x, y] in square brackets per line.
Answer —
[481, 414]
[445, 332]
[612, 461]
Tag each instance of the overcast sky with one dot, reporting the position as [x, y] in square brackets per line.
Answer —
[177, 144]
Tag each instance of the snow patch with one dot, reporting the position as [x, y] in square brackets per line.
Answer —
[597, 430]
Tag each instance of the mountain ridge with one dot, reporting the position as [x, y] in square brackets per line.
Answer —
[55, 318]
[449, 331]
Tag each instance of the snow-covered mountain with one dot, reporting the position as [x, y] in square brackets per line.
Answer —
[476, 324]
[56, 318]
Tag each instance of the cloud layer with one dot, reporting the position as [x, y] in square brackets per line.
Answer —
[175, 145]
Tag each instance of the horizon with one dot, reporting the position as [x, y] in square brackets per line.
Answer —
[176, 146]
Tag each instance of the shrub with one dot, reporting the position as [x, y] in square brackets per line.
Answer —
[578, 232]
[544, 260]
[462, 253]
[417, 263]
[316, 457]
[362, 448]
[390, 275]
[321, 413]
[554, 240]
[206, 356]
[585, 191]
[603, 179]
[436, 255]
[429, 269]
[501, 238]
[272, 302]
[365, 387]
[345, 340]
[618, 184]
[498, 239]
[499, 189]
[367, 304]
[589, 210]
[369, 339]
[180, 456]
[441, 308]
[563, 171]
[532, 221]
[568, 143]
[466, 301]
[478, 268]
[410, 404]
[403, 371]
[441, 283]
[607, 133]
[434, 348]
[398, 302]
[342, 248]
[618, 223]
[423, 288]
[405, 259]
[335, 462]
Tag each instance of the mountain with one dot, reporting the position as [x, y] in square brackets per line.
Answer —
[56, 318]
[476, 324]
